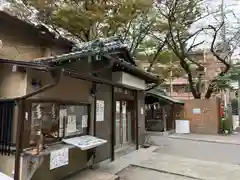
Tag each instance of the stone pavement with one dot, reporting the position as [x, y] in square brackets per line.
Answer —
[138, 173]
[195, 149]
[197, 169]
[175, 165]
[93, 175]
[150, 164]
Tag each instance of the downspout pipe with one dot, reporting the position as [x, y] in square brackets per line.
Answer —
[56, 75]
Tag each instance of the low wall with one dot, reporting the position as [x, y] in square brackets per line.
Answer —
[204, 115]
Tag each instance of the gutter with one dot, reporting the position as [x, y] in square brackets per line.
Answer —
[56, 76]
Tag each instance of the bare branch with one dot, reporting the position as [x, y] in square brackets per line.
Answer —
[222, 60]
[195, 45]
[210, 89]
[194, 35]
[160, 48]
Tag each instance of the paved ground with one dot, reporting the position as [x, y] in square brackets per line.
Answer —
[138, 173]
[178, 159]
[210, 151]
[175, 165]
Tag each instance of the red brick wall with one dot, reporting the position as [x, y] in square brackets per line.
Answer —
[208, 120]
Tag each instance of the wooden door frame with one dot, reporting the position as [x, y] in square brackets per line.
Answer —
[134, 115]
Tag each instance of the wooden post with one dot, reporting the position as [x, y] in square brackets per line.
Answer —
[113, 128]
[164, 120]
[137, 118]
[19, 142]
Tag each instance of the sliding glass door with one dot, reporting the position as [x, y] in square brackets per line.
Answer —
[123, 124]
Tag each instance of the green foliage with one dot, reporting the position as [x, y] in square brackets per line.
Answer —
[227, 126]
[223, 82]
[87, 19]
[157, 30]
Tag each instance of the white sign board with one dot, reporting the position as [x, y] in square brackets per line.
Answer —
[71, 124]
[85, 142]
[5, 177]
[142, 111]
[58, 158]
[84, 121]
[100, 110]
[196, 111]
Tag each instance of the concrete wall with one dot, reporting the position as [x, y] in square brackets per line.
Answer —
[7, 164]
[13, 84]
[68, 89]
[21, 44]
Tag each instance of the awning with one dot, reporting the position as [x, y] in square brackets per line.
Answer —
[158, 94]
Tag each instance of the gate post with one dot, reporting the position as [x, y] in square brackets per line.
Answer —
[19, 138]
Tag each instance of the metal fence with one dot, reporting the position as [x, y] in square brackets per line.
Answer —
[6, 122]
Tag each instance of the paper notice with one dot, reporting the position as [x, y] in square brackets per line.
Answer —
[71, 124]
[100, 110]
[58, 158]
[84, 121]
[63, 112]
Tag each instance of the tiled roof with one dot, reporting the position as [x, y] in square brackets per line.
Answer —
[113, 45]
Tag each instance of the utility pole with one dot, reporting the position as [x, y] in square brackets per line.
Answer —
[171, 77]
[238, 99]
[225, 49]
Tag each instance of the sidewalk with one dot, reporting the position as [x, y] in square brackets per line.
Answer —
[227, 139]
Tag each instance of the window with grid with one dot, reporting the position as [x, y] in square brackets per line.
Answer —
[57, 121]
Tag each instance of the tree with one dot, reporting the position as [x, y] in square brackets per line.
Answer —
[180, 16]
[88, 20]
[161, 30]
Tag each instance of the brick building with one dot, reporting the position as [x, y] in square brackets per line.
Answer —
[178, 87]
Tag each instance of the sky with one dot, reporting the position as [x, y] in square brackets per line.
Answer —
[232, 19]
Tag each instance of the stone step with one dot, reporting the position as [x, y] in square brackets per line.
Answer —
[93, 175]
